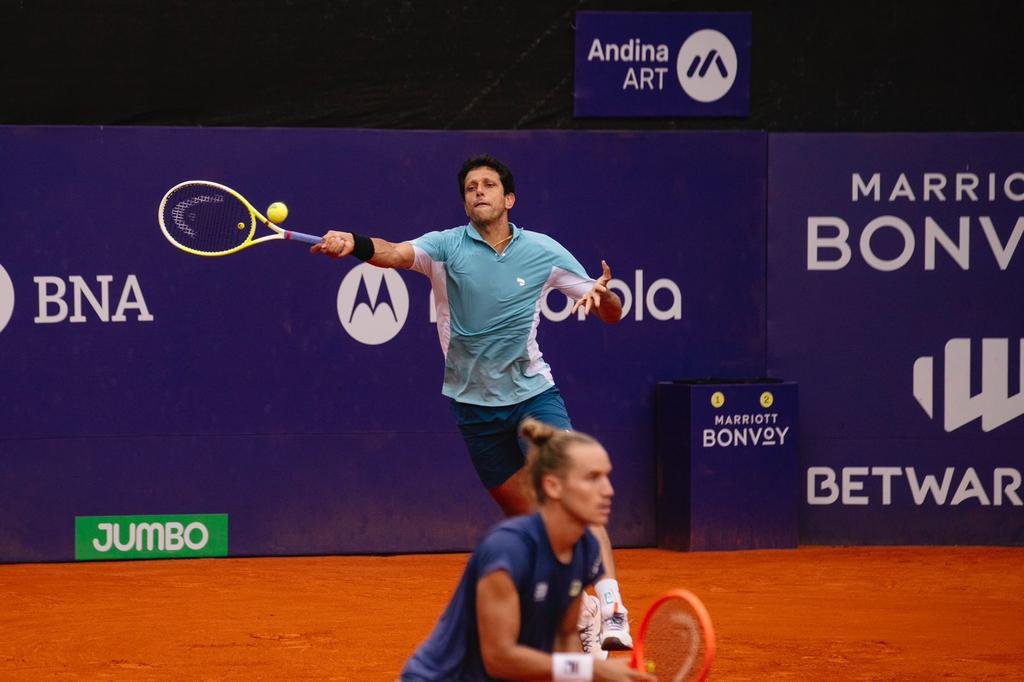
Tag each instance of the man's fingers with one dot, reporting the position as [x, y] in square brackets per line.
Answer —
[590, 301]
[335, 244]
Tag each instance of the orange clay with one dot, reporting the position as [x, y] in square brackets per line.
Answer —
[853, 613]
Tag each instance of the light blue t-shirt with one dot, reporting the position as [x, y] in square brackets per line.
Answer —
[488, 309]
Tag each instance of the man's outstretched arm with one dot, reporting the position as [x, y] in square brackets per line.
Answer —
[373, 250]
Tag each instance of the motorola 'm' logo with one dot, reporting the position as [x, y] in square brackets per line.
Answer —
[372, 304]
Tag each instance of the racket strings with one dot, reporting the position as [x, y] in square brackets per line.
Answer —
[206, 219]
[674, 643]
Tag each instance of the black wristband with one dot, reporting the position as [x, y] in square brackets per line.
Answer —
[362, 247]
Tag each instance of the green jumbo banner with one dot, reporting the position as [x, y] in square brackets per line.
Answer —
[100, 538]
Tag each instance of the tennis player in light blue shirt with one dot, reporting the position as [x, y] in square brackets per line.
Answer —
[489, 279]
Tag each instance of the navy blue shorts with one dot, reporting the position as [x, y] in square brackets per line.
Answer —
[492, 433]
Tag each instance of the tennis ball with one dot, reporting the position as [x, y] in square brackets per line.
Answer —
[277, 212]
[649, 666]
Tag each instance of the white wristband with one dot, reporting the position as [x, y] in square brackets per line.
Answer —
[572, 667]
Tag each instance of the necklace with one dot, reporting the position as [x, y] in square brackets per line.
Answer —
[497, 244]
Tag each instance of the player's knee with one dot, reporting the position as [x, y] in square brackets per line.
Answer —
[513, 498]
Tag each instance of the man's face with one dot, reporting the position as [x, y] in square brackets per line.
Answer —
[485, 197]
[586, 491]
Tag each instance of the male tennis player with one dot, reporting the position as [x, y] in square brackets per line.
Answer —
[519, 596]
[489, 278]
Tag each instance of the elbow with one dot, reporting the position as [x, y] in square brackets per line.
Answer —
[611, 312]
[612, 315]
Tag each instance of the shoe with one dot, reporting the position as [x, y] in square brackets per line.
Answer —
[615, 630]
[589, 625]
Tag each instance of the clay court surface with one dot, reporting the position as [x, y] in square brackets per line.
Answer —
[881, 613]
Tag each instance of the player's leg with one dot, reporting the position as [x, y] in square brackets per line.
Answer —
[491, 437]
[615, 634]
[513, 496]
[588, 624]
[549, 407]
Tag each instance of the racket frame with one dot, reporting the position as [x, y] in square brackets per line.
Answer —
[707, 630]
[254, 215]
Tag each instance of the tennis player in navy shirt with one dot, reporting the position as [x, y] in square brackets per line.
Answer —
[513, 615]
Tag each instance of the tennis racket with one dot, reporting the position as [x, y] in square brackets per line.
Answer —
[676, 640]
[208, 219]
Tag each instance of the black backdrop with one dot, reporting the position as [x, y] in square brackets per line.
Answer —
[866, 66]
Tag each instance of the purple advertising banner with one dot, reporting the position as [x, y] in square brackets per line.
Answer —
[662, 64]
[142, 382]
[893, 275]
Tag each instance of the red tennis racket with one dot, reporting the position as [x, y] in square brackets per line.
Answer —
[676, 640]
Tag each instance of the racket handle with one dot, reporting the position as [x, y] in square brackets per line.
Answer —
[302, 237]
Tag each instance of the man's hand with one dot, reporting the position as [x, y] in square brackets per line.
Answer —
[599, 294]
[335, 244]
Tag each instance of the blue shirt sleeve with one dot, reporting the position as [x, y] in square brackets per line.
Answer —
[565, 260]
[504, 550]
[434, 244]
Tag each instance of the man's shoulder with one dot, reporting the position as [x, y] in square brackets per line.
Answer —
[520, 530]
[513, 540]
[522, 524]
[534, 235]
[440, 245]
[543, 242]
[452, 232]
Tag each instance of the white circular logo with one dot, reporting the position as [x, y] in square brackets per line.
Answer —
[372, 304]
[706, 65]
[6, 298]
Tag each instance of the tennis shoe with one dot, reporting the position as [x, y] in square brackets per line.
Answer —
[589, 626]
[615, 630]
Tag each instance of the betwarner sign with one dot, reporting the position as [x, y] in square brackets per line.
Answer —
[895, 262]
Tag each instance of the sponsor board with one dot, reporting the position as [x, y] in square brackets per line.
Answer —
[894, 265]
[151, 537]
[129, 361]
[662, 64]
[727, 465]
[78, 299]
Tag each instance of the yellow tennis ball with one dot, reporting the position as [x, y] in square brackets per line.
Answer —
[277, 212]
[649, 666]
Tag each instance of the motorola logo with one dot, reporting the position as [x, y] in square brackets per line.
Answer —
[6, 298]
[706, 65]
[373, 304]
